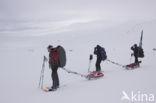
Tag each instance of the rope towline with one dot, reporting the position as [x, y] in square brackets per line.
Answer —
[123, 66]
[76, 73]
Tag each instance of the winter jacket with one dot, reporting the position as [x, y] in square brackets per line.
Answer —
[135, 50]
[97, 51]
[53, 57]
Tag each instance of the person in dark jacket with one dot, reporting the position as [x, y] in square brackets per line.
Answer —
[135, 52]
[99, 59]
[53, 64]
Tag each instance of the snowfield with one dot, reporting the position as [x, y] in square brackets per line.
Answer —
[22, 51]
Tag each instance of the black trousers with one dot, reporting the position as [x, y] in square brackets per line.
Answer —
[136, 59]
[98, 62]
[54, 76]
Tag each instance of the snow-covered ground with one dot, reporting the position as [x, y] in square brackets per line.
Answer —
[114, 25]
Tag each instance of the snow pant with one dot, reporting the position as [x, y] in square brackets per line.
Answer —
[136, 59]
[54, 76]
[98, 62]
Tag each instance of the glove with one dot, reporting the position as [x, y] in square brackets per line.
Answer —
[45, 59]
[49, 66]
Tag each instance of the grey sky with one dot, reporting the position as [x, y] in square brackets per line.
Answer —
[46, 16]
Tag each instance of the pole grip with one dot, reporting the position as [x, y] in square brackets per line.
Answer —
[91, 57]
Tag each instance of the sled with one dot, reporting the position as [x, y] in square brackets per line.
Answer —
[95, 75]
[132, 66]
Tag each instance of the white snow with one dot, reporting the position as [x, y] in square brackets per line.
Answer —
[116, 27]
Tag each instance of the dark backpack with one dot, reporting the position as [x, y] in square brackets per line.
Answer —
[103, 54]
[140, 52]
[62, 56]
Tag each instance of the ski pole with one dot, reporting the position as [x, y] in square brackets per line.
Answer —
[131, 58]
[90, 59]
[42, 73]
[41, 77]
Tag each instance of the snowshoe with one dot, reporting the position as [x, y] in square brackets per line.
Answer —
[95, 74]
[133, 65]
[49, 89]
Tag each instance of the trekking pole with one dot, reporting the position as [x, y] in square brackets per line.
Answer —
[131, 58]
[90, 59]
[41, 78]
[42, 73]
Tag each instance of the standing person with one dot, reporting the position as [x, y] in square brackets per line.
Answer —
[53, 64]
[101, 55]
[135, 52]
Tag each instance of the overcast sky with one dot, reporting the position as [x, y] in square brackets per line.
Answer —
[39, 17]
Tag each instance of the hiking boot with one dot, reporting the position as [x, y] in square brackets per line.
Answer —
[53, 89]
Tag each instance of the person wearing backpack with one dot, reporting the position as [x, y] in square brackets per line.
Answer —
[53, 64]
[101, 55]
[135, 50]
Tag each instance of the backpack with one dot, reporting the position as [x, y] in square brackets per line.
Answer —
[140, 52]
[62, 56]
[103, 54]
